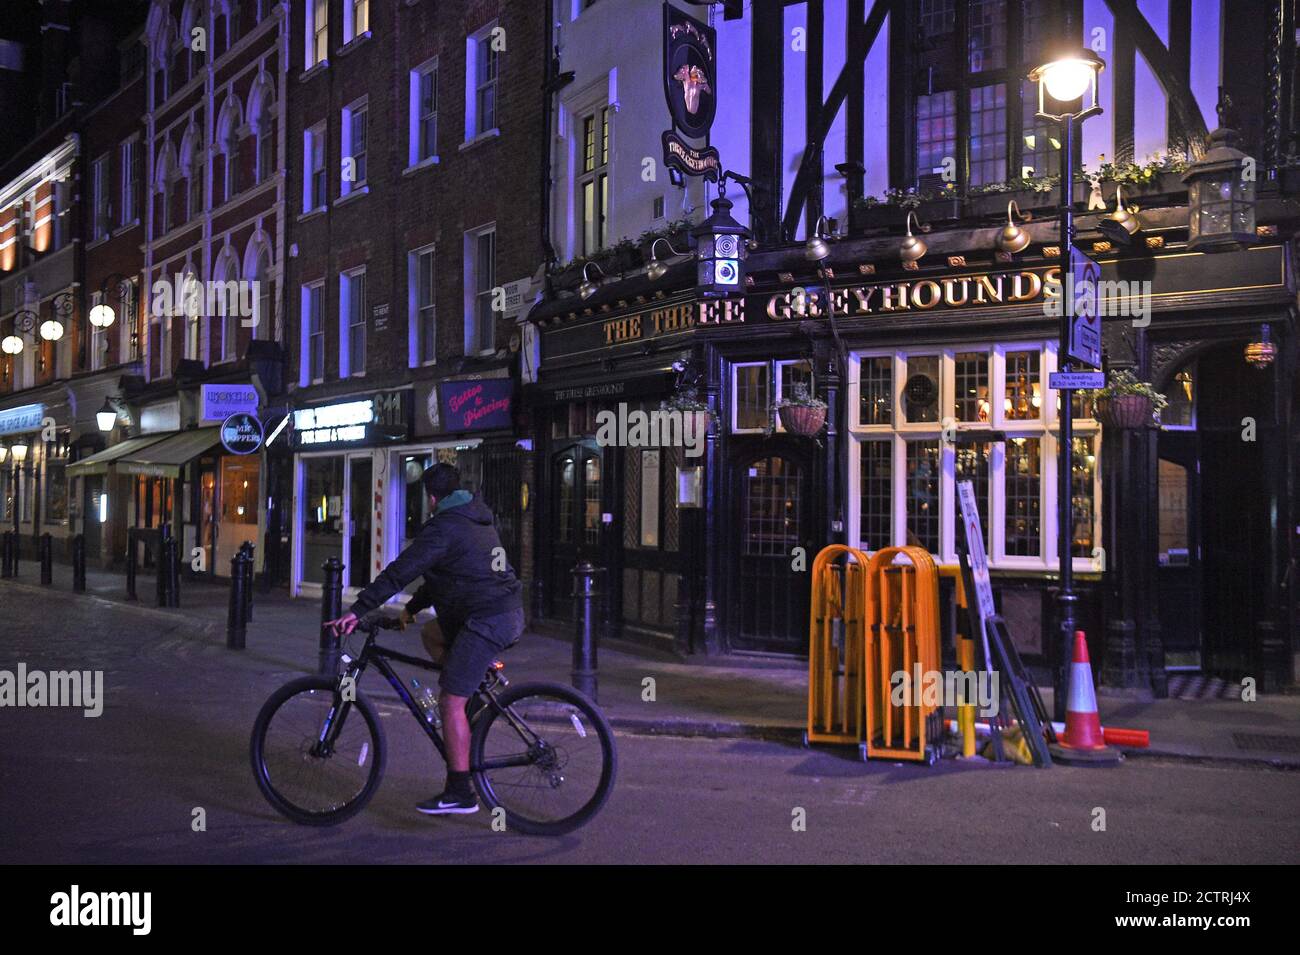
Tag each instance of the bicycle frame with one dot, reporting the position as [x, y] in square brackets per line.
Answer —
[371, 652]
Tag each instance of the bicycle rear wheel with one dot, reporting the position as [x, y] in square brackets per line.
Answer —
[296, 774]
[545, 754]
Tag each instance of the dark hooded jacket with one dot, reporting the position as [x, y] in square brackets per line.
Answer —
[456, 551]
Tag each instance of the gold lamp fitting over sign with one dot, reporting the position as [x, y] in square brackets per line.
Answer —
[913, 247]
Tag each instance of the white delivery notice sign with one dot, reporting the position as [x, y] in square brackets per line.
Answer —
[979, 564]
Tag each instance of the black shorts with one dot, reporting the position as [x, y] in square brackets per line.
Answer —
[473, 648]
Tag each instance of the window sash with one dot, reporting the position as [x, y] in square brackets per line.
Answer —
[428, 114]
[1016, 480]
[357, 324]
[316, 333]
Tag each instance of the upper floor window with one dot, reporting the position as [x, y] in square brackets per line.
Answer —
[593, 181]
[424, 113]
[313, 326]
[352, 313]
[972, 110]
[356, 19]
[99, 198]
[314, 168]
[318, 12]
[424, 322]
[353, 174]
[482, 65]
[481, 275]
[129, 181]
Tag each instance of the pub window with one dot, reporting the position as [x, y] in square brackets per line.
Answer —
[904, 471]
[754, 397]
[972, 110]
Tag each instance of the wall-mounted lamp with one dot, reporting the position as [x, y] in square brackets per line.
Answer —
[1121, 225]
[816, 249]
[658, 268]
[1012, 238]
[913, 247]
[588, 288]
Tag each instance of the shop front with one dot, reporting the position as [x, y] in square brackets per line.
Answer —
[620, 484]
[1182, 531]
[342, 476]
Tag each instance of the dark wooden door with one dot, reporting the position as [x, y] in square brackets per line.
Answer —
[577, 479]
[1178, 549]
[773, 514]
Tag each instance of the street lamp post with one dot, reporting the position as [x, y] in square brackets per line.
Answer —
[1066, 80]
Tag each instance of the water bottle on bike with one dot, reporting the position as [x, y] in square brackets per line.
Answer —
[427, 702]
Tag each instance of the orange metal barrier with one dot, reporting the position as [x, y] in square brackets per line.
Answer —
[837, 641]
[902, 634]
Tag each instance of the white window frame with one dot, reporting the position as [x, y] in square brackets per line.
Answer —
[98, 337]
[350, 112]
[474, 53]
[347, 365]
[415, 324]
[1045, 427]
[128, 196]
[316, 49]
[472, 292]
[308, 336]
[584, 176]
[350, 9]
[310, 137]
[100, 206]
[415, 117]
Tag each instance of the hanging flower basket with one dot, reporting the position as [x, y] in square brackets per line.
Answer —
[1124, 411]
[801, 413]
[805, 420]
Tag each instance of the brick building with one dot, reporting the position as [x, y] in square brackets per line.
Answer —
[414, 148]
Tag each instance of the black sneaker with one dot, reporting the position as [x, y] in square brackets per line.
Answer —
[448, 803]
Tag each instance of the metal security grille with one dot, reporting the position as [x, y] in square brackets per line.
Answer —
[501, 478]
[772, 525]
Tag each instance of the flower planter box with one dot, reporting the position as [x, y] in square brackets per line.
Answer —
[802, 419]
[1126, 412]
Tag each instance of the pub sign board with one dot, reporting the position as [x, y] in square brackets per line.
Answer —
[690, 75]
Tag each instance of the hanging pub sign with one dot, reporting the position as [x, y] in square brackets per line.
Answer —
[690, 85]
[476, 405]
[241, 433]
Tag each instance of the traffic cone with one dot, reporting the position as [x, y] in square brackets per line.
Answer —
[1083, 742]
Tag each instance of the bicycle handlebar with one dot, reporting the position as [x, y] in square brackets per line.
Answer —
[380, 621]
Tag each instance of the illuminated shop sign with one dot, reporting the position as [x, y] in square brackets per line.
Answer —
[382, 418]
[23, 418]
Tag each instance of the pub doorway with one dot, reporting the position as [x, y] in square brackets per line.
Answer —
[577, 475]
[773, 512]
[1214, 499]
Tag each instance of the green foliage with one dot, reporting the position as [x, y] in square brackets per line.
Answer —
[800, 397]
[1124, 382]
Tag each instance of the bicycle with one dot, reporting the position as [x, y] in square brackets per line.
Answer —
[320, 774]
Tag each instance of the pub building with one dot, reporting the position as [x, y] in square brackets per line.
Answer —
[359, 460]
[936, 370]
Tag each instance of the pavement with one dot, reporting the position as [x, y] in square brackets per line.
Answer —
[646, 692]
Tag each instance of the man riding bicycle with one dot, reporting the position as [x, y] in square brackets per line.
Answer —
[478, 600]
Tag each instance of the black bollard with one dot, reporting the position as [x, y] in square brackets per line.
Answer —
[132, 554]
[47, 559]
[331, 608]
[173, 552]
[586, 605]
[160, 566]
[237, 618]
[79, 563]
[246, 548]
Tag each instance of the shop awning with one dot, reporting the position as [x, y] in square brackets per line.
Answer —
[98, 462]
[168, 456]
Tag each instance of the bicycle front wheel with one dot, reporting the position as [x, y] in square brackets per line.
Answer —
[317, 759]
[545, 754]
